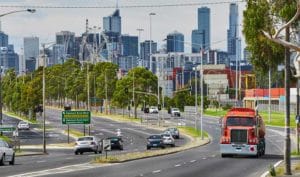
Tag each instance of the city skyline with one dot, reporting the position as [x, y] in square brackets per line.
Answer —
[39, 23]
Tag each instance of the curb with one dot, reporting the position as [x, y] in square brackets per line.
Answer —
[156, 155]
[32, 154]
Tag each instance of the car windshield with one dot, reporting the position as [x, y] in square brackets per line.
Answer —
[175, 109]
[155, 137]
[240, 121]
[85, 139]
[22, 122]
[114, 139]
[171, 129]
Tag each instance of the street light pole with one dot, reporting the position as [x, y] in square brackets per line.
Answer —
[150, 52]
[1, 15]
[44, 97]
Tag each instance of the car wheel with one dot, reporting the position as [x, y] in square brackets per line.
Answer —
[163, 147]
[148, 148]
[173, 145]
[96, 152]
[100, 152]
[81, 153]
[2, 160]
[76, 152]
[12, 162]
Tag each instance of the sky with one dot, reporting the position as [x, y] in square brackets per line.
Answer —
[47, 21]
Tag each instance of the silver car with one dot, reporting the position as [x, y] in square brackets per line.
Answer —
[22, 125]
[7, 154]
[168, 139]
[88, 144]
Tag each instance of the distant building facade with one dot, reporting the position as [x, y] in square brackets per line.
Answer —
[175, 42]
[31, 52]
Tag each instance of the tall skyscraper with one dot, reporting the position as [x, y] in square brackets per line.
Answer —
[145, 52]
[58, 54]
[31, 52]
[201, 36]
[3, 39]
[233, 40]
[67, 39]
[112, 23]
[175, 42]
[129, 45]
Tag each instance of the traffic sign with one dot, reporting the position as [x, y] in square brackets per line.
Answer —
[106, 145]
[5, 128]
[76, 117]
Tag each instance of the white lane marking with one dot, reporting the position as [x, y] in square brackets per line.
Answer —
[192, 161]
[64, 169]
[156, 171]
[204, 158]
[41, 161]
[70, 158]
[265, 174]
[178, 165]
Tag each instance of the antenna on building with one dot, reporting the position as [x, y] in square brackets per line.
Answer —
[117, 4]
[86, 25]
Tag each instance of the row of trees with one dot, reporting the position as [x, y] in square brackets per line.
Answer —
[68, 82]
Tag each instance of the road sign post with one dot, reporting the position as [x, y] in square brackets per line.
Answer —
[5, 128]
[106, 146]
[76, 117]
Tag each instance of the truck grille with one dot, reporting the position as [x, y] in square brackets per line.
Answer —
[238, 136]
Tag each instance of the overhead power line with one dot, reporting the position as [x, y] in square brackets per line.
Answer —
[120, 6]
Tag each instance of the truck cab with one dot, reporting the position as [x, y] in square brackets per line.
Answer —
[242, 133]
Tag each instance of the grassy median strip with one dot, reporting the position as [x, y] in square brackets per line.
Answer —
[74, 133]
[188, 131]
[119, 118]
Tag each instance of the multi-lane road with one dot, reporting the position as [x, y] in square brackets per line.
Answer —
[202, 161]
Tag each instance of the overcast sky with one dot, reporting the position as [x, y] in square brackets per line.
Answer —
[47, 21]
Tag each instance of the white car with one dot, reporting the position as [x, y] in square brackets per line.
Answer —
[7, 154]
[153, 109]
[168, 139]
[88, 144]
[22, 125]
[175, 112]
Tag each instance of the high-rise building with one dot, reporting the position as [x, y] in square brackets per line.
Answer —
[58, 54]
[145, 52]
[175, 42]
[67, 39]
[112, 23]
[3, 39]
[31, 52]
[129, 45]
[201, 36]
[204, 26]
[8, 58]
[233, 40]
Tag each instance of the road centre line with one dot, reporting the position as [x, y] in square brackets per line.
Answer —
[177, 165]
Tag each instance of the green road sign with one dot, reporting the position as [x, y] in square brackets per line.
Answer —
[5, 128]
[76, 117]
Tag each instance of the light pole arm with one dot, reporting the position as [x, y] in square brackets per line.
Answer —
[16, 11]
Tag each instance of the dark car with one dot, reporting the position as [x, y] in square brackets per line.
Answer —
[155, 141]
[116, 143]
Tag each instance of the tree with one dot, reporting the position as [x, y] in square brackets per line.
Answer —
[264, 22]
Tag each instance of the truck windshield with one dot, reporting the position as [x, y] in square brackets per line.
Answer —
[240, 121]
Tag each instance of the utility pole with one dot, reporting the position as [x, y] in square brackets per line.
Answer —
[297, 124]
[287, 152]
[196, 98]
[269, 94]
[44, 97]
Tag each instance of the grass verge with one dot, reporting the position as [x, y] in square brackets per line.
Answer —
[20, 117]
[5, 138]
[118, 118]
[277, 118]
[279, 171]
[191, 131]
[195, 142]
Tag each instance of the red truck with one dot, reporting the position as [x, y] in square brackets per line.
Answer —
[243, 133]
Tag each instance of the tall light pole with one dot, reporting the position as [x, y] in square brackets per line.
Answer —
[140, 31]
[150, 52]
[1, 15]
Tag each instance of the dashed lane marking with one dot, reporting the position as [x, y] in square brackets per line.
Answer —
[60, 170]
[41, 161]
[192, 161]
[156, 171]
[177, 165]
